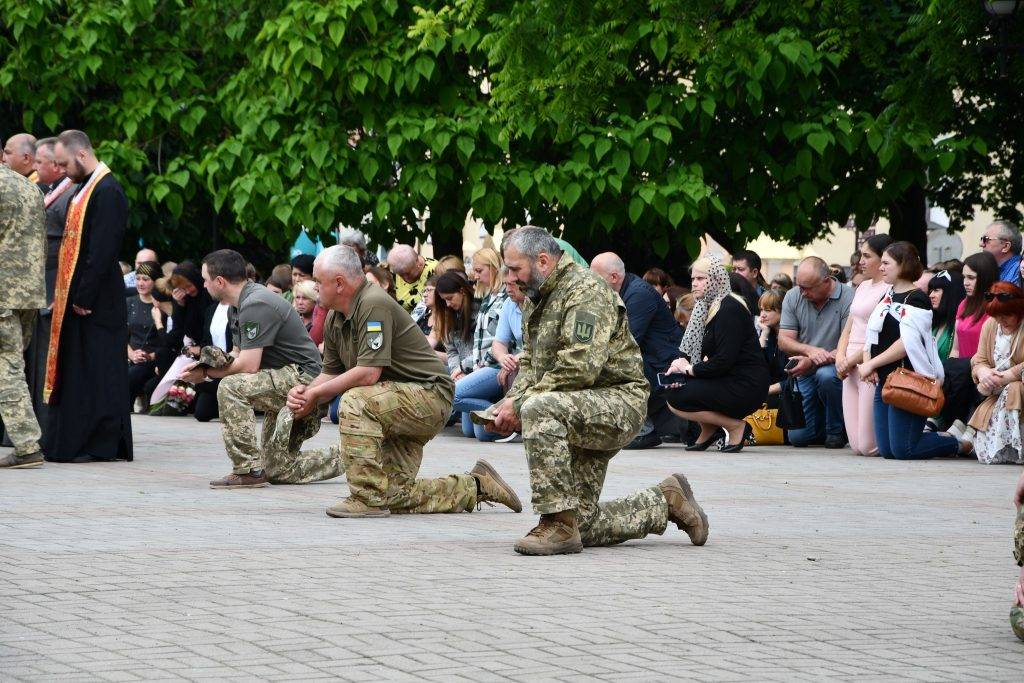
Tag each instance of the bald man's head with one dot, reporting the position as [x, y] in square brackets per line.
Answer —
[814, 279]
[611, 269]
[146, 255]
[20, 154]
[405, 263]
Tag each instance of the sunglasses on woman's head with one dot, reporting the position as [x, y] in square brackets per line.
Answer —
[1002, 296]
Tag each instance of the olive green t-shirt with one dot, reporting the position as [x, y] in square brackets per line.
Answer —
[380, 333]
[264, 320]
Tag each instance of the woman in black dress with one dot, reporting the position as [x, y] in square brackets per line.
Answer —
[143, 337]
[724, 373]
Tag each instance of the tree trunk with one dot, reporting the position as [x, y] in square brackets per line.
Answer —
[908, 220]
[445, 240]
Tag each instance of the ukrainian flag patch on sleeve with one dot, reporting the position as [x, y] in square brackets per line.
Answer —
[373, 326]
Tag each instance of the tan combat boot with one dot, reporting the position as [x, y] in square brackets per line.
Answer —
[252, 480]
[556, 534]
[353, 507]
[491, 488]
[684, 510]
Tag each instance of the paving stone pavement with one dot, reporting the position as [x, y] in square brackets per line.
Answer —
[820, 565]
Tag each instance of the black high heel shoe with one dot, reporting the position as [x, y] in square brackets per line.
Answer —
[737, 447]
[704, 445]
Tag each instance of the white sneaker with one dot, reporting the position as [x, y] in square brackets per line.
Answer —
[511, 438]
[960, 431]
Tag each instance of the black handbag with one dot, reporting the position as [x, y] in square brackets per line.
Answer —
[791, 407]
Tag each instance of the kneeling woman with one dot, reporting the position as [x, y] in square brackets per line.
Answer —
[726, 376]
[899, 334]
[996, 369]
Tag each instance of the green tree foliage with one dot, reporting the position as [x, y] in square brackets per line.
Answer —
[736, 118]
[653, 122]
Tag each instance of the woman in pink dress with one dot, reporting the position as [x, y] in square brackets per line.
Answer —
[858, 395]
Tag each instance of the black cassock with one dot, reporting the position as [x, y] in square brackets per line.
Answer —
[89, 416]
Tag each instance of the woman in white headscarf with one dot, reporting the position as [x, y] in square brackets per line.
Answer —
[723, 373]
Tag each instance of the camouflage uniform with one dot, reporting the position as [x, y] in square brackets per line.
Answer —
[22, 294]
[267, 390]
[383, 430]
[1017, 613]
[581, 395]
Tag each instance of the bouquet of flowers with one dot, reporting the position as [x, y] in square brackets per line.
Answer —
[180, 396]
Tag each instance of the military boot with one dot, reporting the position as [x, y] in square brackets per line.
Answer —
[556, 534]
[353, 507]
[21, 462]
[1017, 621]
[684, 510]
[491, 488]
[251, 480]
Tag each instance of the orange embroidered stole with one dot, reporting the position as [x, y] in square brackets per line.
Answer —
[70, 246]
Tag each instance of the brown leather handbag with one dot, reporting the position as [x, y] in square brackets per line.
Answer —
[914, 393]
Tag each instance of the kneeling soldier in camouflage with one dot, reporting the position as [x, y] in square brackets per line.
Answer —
[395, 397]
[273, 353]
[1017, 611]
[580, 396]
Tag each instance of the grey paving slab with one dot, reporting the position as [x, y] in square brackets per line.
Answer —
[820, 565]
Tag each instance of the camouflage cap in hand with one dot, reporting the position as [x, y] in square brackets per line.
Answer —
[214, 357]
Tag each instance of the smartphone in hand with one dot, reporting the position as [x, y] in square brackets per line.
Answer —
[666, 381]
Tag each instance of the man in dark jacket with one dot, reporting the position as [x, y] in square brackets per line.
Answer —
[657, 334]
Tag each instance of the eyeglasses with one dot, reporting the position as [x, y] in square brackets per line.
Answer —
[1002, 296]
[807, 288]
[986, 239]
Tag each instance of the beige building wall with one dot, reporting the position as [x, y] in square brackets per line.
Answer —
[779, 257]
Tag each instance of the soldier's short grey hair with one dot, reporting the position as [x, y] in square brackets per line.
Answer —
[342, 260]
[1009, 231]
[25, 143]
[353, 238]
[531, 241]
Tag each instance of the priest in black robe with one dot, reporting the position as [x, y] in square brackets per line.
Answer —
[86, 375]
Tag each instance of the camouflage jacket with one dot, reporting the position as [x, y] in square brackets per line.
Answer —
[576, 336]
[22, 243]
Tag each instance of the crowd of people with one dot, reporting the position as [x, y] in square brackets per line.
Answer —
[528, 342]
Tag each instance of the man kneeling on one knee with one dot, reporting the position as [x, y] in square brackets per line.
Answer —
[580, 396]
[396, 395]
[272, 353]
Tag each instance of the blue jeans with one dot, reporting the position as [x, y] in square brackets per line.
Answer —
[822, 392]
[332, 412]
[901, 435]
[476, 391]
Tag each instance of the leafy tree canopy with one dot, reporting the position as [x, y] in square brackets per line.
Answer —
[656, 121]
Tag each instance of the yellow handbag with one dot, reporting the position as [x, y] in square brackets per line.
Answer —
[765, 424]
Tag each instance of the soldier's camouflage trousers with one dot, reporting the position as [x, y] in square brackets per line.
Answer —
[569, 438]
[383, 430]
[15, 401]
[1018, 536]
[1017, 613]
[279, 453]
